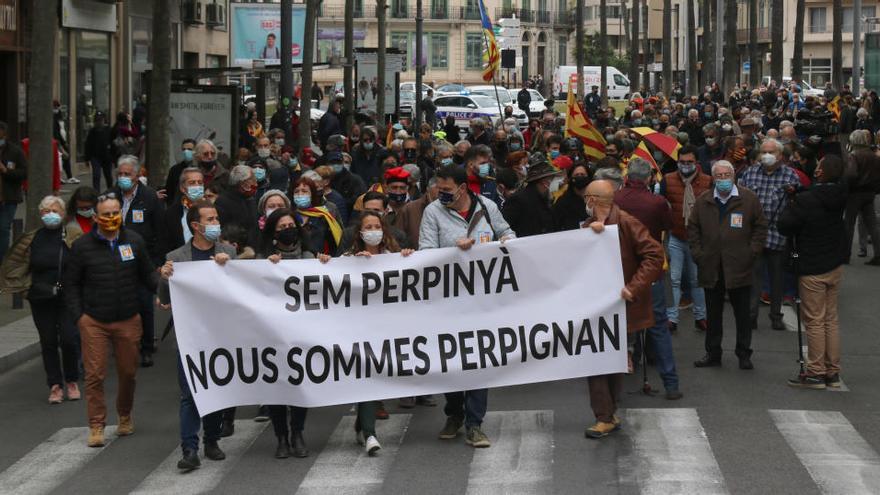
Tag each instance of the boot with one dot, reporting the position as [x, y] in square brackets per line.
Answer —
[282, 451]
[228, 428]
[299, 444]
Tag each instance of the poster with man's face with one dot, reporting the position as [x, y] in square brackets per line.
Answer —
[256, 33]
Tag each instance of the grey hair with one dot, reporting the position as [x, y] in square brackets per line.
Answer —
[862, 112]
[261, 204]
[478, 123]
[314, 176]
[187, 171]
[444, 146]
[693, 111]
[861, 137]
[414, 171]
[723, 164]
[636, 114]
[785, 123]
[638, 169]
[205, 142]
[239, 174]
[131, 160]
[710, 127]
[50, 200]
[779, 147]
[610, 174]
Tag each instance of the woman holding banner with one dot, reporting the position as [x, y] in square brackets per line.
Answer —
[283, 238]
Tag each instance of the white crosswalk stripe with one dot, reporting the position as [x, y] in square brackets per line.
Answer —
[838, 459]
[52, 462]
[520, 459]
[168, 479]
[670, 454]
[344, 467]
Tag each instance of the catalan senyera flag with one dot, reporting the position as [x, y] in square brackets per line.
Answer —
[834, 107]
[389, 137]
[642, 152]
[578, 125]
[493, 56]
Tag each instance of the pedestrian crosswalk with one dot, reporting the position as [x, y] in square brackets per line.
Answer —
[658, 451]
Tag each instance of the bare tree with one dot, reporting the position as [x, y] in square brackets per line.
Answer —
[691, 50]
[776, 28]
[667, 47]
[731, 54]
[797, 59]
[305, 104]
[837, 44]
[579, 49]
[634, 48]
[708, 55]
[646, 46]
[754, 56]
[39, 106]
[158, 120]
[285, 87]
[380, 61]
[603, 51]
[348, 70]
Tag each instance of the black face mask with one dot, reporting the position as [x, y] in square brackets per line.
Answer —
[288, 236]
[580, 181]
[457, 159]
[410, 155]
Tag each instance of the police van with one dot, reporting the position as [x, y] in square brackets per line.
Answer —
[504, 97]
[464, 108]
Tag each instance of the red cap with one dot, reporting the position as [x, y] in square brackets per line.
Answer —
[563, 162]
[396, 174]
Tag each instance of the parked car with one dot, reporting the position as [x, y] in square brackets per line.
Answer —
[451, 89]
[536, 106]
[464, 108]
[503, 97]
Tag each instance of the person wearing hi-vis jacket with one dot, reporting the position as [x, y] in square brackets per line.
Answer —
[461, 218]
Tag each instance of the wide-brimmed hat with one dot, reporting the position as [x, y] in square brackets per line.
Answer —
[541, 171]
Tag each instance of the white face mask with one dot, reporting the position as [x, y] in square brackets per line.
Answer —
[589, 210]
[269, 211]
[372, 237]
[555, 184]
[264, 152]
[768, 159]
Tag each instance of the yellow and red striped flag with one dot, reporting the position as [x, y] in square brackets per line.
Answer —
[642, 152]
[578, 125]
[834, 107]
[493, 56]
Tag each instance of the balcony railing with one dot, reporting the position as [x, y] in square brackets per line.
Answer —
[742, 35]
[564, 19]
[447, 11]
[469, 13]
[542, 16]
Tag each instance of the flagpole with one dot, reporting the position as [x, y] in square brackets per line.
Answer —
[494, 84]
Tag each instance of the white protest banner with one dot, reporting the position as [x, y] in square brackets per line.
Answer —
[356, 329]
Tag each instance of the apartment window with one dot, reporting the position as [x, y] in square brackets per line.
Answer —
[588, 13]
[439, 50]
[762, 13]
[848, 17]
[472, 10]
[613, 11]
[474, 51]
[817, 19]
[438, 9]
[563, 51]
[400, 41]
[398, 9]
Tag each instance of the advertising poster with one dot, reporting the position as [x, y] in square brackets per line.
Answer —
[256, 33]
[202, 113]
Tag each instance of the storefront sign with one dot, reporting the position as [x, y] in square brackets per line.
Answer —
[88, 14]
[256, 33]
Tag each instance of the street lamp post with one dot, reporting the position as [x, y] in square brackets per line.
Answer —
[418, 66]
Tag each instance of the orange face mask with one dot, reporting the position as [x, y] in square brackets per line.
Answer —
[110, 224]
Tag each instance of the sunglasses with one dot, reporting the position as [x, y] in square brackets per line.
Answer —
[106, 196]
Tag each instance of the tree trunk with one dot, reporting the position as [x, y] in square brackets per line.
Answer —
[603, 51]
[305, 104]
[776, 27]
[837, 44]
[285, 87]
[649, 57]
[158, 120]
[692, 82]
[634, 48]
[667, 47]
[754, 56]
[708, 55]
[797, 63]
[348, 69]
[380, 62]
[731, 54]
[39, 107]
[579, 49]
[626, 26]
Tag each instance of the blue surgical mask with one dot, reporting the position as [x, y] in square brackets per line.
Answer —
[212, 232]
[554, 154]
[483, 169]
[302, 200]
[367, 146]
[515, 146]
[337, 167]
[2, 142]
[279, 142]
[708, 115]
[195, 193]
[187, 155]
[259, 174]
[51, 220]
[723, 186]
[125, 183]
[446, 162]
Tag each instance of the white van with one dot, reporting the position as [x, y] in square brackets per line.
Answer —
[618, 84]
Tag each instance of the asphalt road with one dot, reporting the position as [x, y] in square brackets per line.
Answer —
[733, 432]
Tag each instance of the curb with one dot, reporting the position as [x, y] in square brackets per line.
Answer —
[19, 343]
[21, 356]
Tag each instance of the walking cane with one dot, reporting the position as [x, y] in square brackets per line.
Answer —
[797, 308]
[646, 387]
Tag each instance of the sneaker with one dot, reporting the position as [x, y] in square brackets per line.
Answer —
[807, 381]
[213, 451]
[765, 298]
[407, 403]
[146, 360]
[777, 324]
[601, 429]
[96, 436]
[685, 303]
[73, 180]
[673, 395]
[56, 395]
[451, 429]
[73, 392]
[125, 427]
[426, 401]
[372, 445]
[228, 428]
[189, 461]
[788, 301]
[702, 325]
[381, 413]
[262, 414]
[745, 363]
[833, 381]
[707, 361]
[476, 438]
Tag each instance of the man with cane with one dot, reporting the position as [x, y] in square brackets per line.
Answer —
[814, 222]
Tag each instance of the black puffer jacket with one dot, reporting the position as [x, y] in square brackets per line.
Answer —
[100, 283]
[814, 220]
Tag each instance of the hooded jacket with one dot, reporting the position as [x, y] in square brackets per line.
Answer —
[814, 221]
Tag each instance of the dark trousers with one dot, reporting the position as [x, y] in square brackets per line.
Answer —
[470, 406]
[56, 330]
[861, 203]
[739, 300]
[605, 392]
[7, 215]
[191, 420]
[65, 164]
[773, 262]
[148, 320]
[366, 418]
[99, 168]
[279, 419]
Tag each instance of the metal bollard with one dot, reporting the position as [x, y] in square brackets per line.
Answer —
[17, 227]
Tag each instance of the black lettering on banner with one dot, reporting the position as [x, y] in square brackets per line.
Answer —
[370, 358]
[388, 286]
[613, 335]
[486, 273]
[344, 291]
[299, 372]
[230, 366]
[506, 276]
[561, 337]
[409, 285]
[432, 279]
[486, 346]
[545, 346]
[446, 281]
[586, 337]
[465, 350]
[290, 289]
[506, 347]
[310, 369]
[309, 291]
[522, 344]
[197, 372]
[462, 279]
[402, 357]
[270, 365]
[421, 340]
[367, 289]
[446, 354]
[242, 375]
[353, 363]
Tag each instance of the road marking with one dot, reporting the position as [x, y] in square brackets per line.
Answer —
[838, 459]
[520, 458]
[670, 454]
[344, 467]
[52, 462]
[168, 479]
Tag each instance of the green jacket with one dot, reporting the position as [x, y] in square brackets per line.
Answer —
[15, 272]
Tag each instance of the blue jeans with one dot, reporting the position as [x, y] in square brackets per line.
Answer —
[7, 215]
[190, 420]
[680, 263]
[470, 406]
[661, 341]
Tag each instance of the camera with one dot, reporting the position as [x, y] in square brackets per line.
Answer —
[816, 122]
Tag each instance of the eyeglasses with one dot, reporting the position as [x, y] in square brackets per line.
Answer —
[106, 196]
